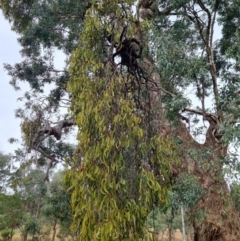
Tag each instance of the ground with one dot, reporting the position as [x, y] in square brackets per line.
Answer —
[162, 236]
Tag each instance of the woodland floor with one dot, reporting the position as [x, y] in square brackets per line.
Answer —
[162, 236]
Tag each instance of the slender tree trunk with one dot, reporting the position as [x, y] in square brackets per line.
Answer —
[38, 209]
[183, 224]
[11, 234]
[170, 224]
[24, 237]
[54, 230]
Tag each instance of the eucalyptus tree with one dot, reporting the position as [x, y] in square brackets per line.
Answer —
[138, 117]
[57, 207]
[5, 171]
[11, 214]
[32, 189]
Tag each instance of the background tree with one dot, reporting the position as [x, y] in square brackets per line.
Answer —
[5, 171]
[57, 207]
[10, 214]
[131, 118]
[28, 183]
[41, 35]
[32, 189]
[31, 226]
[235, 193]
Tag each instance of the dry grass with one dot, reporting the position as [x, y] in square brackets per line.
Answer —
[16, 237]
[162, 236]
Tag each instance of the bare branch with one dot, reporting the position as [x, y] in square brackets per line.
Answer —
[198, 20]
[215, 118]
[203, 95]
[213, 21]
[50, 164]
[207, 37]
[205, 9]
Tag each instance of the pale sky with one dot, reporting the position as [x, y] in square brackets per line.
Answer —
[9, 53]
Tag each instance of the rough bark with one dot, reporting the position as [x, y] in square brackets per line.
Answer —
[220, 222]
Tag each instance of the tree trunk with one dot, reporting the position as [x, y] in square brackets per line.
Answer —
[183, 223]
[218, 221]
[54, 230]
[11, 234]
[24, 237]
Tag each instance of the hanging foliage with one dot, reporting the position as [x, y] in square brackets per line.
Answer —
[126, 165]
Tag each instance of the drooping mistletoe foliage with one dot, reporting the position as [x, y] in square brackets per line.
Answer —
[126, 162]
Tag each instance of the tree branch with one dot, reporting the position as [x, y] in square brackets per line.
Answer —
[209, 36]
[207, 115]
[55, 131]
[203, 7]
[213, 21]
[203, 95]
[50, 164]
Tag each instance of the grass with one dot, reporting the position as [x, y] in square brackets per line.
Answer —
[162, 236]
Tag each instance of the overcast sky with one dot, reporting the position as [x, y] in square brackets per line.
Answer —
[9, 53]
